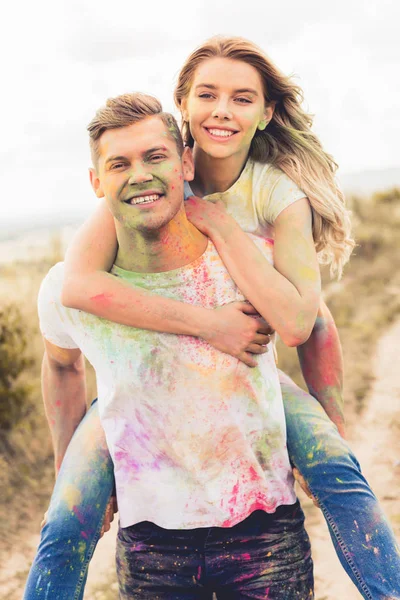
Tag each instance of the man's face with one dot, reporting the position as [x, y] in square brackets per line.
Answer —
[141, 174]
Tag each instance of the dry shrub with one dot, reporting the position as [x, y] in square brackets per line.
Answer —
[14, 393]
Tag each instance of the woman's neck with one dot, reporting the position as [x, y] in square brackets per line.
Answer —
[214, 174]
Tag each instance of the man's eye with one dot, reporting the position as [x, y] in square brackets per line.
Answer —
[243, 100]
[116, 166]
[157, 157]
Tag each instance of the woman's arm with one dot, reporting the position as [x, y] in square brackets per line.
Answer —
[321, 362]
[287, 294]
[88, 287]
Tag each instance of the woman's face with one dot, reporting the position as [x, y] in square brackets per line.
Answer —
[224, 107]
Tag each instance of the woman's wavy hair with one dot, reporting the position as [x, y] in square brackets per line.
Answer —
[288, 143]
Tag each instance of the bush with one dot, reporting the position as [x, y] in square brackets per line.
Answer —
[14, 393]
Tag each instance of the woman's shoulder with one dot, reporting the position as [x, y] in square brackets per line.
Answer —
[273, 190]
[268, 173]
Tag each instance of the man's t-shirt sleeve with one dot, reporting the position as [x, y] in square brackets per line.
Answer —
[276, 191]
[53, 319]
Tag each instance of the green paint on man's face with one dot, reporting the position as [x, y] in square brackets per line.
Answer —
[141, 174]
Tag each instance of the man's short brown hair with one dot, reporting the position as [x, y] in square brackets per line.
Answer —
[125, 110]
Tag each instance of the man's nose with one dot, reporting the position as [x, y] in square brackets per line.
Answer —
[221, 110]
[139, 174]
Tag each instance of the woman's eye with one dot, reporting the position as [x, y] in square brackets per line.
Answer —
[205, 95]
[243, 100]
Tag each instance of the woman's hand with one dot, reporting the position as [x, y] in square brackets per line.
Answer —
[237, 329]
[208, 217]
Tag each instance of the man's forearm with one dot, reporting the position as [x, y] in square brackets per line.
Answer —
[321, 362]
[64, 396]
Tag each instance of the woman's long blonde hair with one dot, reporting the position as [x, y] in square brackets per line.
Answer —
[288, 143]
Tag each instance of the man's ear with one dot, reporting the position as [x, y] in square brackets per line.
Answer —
[187, 164]
[95, 183]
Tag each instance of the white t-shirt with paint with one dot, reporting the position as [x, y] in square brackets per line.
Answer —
[258, 196]
[198, 439]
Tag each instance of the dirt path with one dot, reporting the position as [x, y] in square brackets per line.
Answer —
[376, 441]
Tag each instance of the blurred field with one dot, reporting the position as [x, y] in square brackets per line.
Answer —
[364, 304]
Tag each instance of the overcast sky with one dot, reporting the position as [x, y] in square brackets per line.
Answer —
[62, 59]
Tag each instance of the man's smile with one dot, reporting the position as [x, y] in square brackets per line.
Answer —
[144, 197]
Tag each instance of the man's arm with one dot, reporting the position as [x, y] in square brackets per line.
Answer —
[321, 362]
[64, 395]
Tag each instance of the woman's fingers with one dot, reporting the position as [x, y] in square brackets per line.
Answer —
[256, 349]
[247, 359]
[261, 339]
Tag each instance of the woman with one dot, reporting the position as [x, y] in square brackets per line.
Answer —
[260, 167]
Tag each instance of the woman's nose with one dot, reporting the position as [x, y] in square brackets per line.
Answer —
[221, 110]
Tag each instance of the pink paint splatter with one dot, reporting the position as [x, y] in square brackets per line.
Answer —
[102, 299]
[78, 514]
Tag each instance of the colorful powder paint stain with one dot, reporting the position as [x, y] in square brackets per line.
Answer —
[72, 496]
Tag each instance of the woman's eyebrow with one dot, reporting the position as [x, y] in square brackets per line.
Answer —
[210, 86]
[246, 91]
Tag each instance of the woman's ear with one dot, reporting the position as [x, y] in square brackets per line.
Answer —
[187, 164]
[268, 114]
[183, 109]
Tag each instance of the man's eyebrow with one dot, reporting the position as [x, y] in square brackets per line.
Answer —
[114, 158]
[155, 149]
[145, 153]
[210, 86]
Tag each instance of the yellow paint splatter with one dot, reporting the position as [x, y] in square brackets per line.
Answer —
[72, 496]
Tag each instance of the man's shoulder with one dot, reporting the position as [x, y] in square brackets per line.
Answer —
[52, 282]
[56, 272]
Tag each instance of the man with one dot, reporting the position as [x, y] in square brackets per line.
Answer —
[203, 479]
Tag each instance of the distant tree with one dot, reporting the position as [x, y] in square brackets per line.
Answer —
[14, 394]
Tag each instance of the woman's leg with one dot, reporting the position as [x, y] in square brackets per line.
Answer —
[362, 537]
[75, 516]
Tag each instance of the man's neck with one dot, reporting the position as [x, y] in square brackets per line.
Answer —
[215, 174]
[174, 246]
